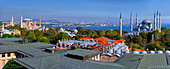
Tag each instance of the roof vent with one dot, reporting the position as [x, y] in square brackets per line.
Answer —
[140, 57]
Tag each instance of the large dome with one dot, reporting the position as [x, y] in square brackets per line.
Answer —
[146, 21]
[27, 20]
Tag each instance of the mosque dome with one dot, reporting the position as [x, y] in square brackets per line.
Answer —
[151, 52]
[146, 21]
[135, 52]
[159, 52]
[61, 29]
[143, 52]
[75, 30]
[167, 52]
[27, 20]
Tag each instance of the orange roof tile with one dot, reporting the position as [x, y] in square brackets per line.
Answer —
[116, 42]
[101, 39]
[139, 50]
[121, 40]
[85, 38]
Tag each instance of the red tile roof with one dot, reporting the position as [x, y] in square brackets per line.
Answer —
[85, 38]
[101, 39]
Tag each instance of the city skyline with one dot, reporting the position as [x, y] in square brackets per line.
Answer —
[84, 10]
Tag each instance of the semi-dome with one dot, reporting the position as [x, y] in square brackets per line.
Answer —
[118, 51]
[146, 21]
[159, 52]
[135, 52]
[61, 29]
[127, 51]
[75, 30]
[110, 50]
[151, 52]
[167, 52]
[143, 52]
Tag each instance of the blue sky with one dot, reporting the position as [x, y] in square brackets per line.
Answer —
[84, 10]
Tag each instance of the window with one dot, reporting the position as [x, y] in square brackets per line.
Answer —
[9, 54]
[97, 57]
[3, 55]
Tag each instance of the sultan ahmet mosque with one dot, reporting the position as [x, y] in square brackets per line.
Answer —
[145, 25]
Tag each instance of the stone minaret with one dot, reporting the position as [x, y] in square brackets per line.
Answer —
[154, 21]
[136, 20]
[159, 22]
[40, 23]
[12, 23]
[131, 23]
[21, 22]
[3, 27]
[120, 25]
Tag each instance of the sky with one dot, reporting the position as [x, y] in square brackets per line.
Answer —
[84, 10]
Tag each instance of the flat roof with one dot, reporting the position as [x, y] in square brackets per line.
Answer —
[84, 52]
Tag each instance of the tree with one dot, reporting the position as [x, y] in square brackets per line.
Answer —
[24, 31]
[144, 41]
[153, 45]
[8, 36]
[5, 35]
[61, 36]
[164, 29]
[144, 34]
[101, 33]
[31, 36]
[44, 40]
[78, 37]
[13, 65]
[137, 39]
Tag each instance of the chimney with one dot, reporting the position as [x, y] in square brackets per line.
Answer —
[65, 45]
[56, 44]
[113, 51]
[155, 50]
[140, 57]
[147, 50]
[163, 50]
[58, 41]
[103, 49]
[60, 45]
[121, 52]
[8, 43]
[85, 45]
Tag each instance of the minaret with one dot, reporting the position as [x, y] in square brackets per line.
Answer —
[131, 23]
[154, 21]
[120, 25]
[3, 27]
[12, 24]
[40, 23]
[159, 22]
[21, 22]
[136, 20]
